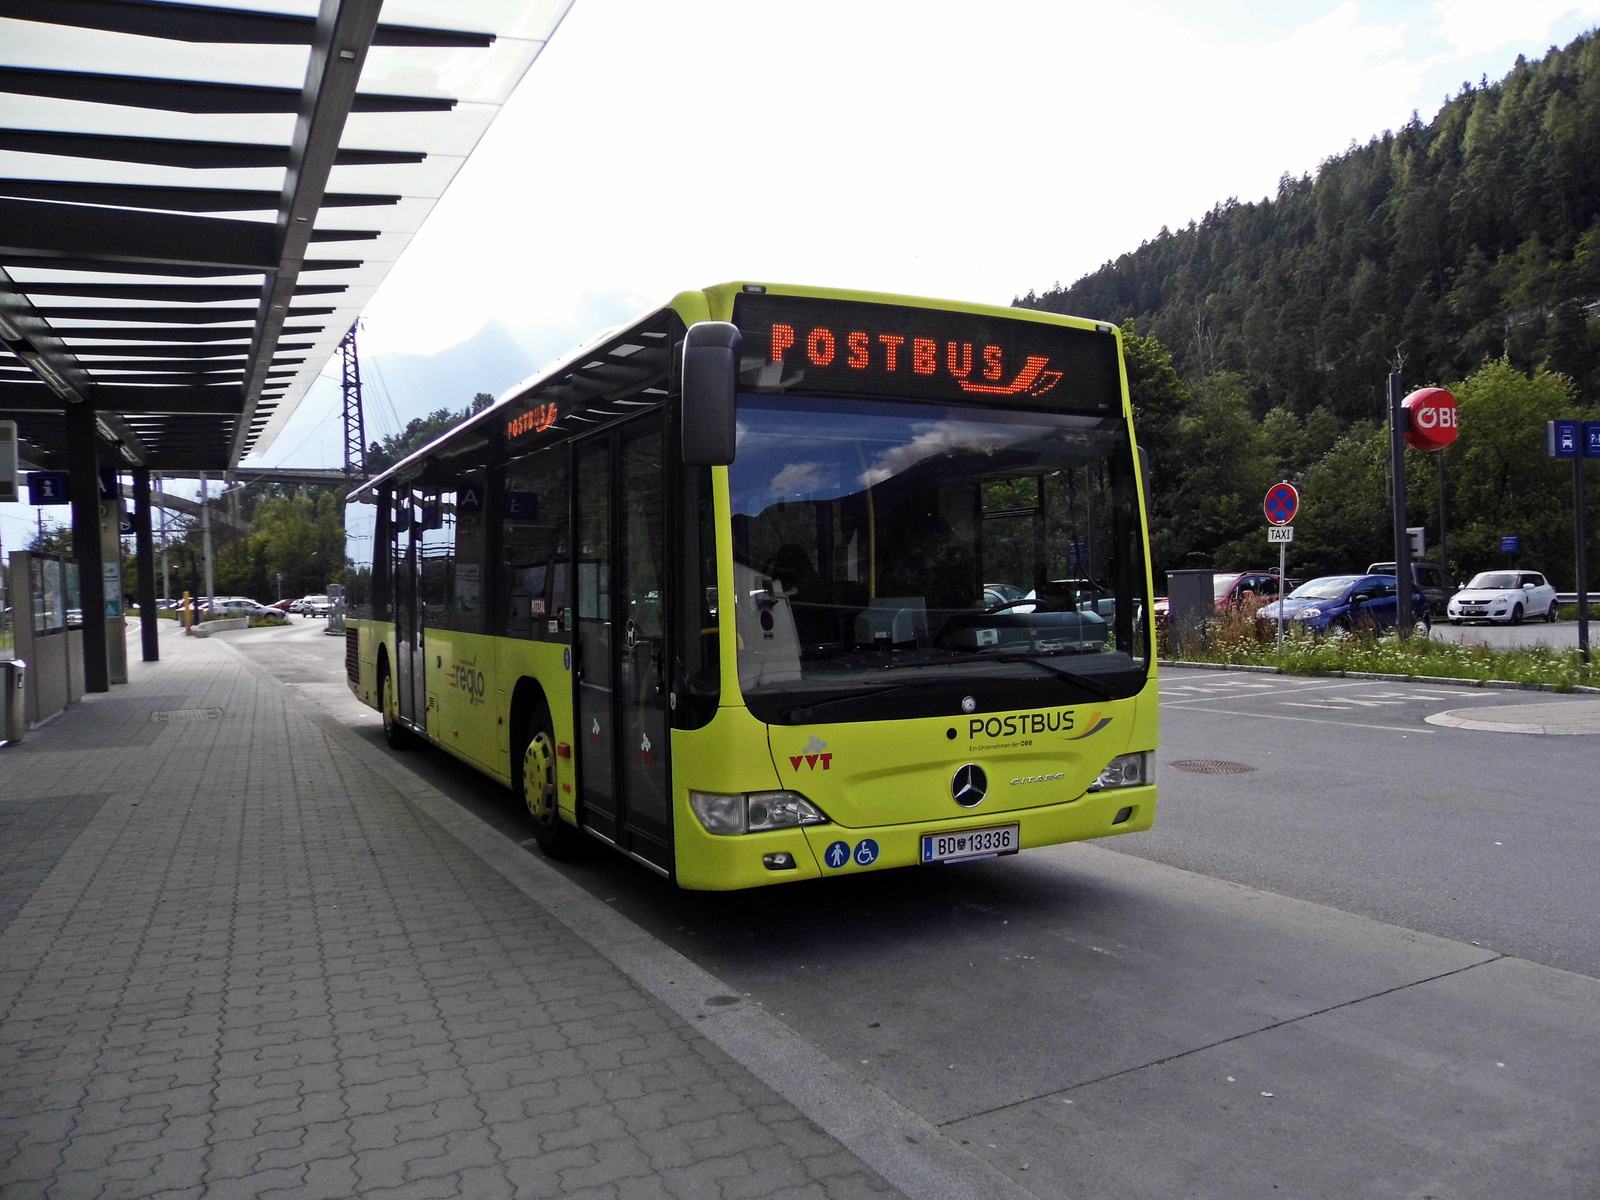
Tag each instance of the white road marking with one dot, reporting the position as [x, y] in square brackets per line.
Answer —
[1267, 716]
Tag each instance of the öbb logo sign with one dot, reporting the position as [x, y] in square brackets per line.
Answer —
[1432, 419]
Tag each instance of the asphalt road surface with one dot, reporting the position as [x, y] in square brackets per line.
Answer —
[1367, 966]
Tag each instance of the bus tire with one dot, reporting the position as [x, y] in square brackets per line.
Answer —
[395, 734]
[556, 838]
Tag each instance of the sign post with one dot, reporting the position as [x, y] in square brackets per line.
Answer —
[1576, 440]
[1281, 505]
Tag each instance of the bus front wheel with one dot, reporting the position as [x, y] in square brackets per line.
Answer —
[556, 838]
[395, 734]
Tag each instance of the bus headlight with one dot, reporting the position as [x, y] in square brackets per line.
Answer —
[1125, 770]
[724, 814]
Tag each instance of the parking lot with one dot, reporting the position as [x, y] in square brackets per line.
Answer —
[1366, 965]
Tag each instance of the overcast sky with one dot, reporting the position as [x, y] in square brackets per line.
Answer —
[966, 150]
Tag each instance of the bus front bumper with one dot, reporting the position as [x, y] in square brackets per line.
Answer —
[712, 863]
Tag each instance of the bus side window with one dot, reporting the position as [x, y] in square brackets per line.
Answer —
[532, 572]
[466, 606]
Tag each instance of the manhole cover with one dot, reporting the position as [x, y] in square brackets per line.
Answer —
[168, 715]
[1210, 766]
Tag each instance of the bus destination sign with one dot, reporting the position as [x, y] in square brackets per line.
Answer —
[846, 347]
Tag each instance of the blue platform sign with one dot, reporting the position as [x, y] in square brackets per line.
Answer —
[837, 855]
[1511, 544]
[1591, 439]
[1561, 439]
[48, 487]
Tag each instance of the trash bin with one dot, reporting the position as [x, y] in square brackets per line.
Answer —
[13, 700]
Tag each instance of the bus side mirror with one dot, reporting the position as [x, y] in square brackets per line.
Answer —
[710, 393]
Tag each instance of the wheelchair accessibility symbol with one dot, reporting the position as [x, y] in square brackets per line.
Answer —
[837, 855]
[866, 852]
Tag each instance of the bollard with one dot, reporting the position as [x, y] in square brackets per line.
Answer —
[13, 700]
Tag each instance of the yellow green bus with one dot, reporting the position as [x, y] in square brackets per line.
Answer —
[778, 583]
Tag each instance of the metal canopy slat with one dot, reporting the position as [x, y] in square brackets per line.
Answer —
[169, 316]
[187, 95]
[177, 199]
[196, 292]
[209, 23]
[158, 334]
[181, 152]
[74, 230]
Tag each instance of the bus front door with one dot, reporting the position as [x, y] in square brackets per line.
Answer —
[621, 686]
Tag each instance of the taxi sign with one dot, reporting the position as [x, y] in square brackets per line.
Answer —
[1281, 504]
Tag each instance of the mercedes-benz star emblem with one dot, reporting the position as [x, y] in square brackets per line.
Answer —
[969, 786]
[969, 704]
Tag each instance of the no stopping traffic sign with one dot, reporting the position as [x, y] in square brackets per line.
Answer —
[1281, 504]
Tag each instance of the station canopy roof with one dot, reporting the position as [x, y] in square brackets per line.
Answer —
[197, 200]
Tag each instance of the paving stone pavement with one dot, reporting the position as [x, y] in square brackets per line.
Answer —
[234, 961]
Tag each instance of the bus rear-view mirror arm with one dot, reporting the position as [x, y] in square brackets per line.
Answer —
[710, 393]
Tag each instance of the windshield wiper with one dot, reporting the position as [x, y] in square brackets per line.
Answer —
[1093, 686]
[807, 712]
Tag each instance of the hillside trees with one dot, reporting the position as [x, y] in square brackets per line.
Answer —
[1259, 338]
[1474, 236]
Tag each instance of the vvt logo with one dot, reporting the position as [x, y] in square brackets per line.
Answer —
[815, 753]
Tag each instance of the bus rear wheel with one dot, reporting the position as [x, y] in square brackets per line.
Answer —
[395, 734]
[556, 838]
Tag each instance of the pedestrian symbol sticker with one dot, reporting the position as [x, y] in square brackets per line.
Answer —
[837, 855]
[866, 852]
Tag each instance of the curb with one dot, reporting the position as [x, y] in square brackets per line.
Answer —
[1508, 685]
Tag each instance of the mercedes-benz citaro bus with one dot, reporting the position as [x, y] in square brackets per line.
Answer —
[779, 583]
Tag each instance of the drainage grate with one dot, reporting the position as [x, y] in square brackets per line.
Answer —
[169, 715]
[1210, 766]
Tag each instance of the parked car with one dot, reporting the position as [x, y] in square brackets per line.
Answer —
[312, 606]
[242, 606]
[1338, 603]
[1232, 589]
[280, 605]
[1430, 581]
[1504, 596]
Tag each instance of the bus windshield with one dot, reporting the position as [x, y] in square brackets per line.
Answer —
[882, 544]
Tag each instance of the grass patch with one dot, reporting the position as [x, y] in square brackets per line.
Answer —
[1234, 639]
[266, 622]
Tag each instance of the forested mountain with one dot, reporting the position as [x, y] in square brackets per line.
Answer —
[1472, 239]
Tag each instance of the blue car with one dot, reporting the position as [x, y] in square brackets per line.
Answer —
[1340, 603]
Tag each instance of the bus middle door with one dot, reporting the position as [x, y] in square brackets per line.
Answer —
[409, 654]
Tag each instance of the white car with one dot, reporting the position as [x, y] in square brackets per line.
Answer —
[1506, 597]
